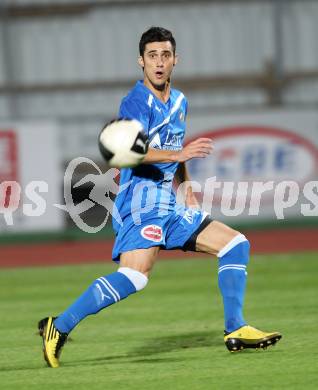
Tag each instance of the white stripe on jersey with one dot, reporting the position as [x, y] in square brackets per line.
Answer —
[150, 99]
[167, 119]
[155, 141]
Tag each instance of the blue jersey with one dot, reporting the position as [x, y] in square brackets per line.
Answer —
[150, 185]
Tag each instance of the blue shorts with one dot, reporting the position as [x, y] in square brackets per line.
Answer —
[172, 231]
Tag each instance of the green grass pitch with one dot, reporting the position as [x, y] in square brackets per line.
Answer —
[167, 337]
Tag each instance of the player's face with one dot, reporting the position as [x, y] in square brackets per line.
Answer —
[158, 61]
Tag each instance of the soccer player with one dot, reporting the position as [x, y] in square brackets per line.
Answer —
[151, 218]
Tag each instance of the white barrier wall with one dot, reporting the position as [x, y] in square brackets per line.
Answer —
[30, 177]
[264, 165]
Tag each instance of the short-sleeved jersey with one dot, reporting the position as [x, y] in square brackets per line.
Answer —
[164, 123]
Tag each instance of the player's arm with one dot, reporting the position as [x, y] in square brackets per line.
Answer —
[181, 176]
[199, 148]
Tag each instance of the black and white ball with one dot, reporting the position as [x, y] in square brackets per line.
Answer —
[123, 143]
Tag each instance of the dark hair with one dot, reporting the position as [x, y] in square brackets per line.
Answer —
[156, 34]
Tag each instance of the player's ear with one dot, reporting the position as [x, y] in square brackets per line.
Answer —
[176, 58]
[141, 61]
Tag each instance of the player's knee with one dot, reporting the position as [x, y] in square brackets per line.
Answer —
[138, 279]
[237, 248]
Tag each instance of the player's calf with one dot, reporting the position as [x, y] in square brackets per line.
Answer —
[102, 293]
[233, 260]
[232, 274]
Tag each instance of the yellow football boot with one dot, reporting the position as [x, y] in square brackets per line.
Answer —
[249, 337]
[53, 341]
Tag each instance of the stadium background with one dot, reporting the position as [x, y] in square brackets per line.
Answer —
[64, 67]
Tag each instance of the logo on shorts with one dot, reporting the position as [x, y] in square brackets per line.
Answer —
[188, 216]
[152, 233]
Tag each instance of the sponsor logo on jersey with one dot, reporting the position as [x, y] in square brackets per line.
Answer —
[152, 233]
[173, 141]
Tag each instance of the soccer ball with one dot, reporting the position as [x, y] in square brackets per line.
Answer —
[123, 143]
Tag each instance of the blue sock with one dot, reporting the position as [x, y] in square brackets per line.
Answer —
[103, 292]
[233, 259]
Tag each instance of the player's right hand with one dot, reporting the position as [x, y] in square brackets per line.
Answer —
[199, 148]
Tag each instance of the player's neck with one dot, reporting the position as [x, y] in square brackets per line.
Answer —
[162, 93]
